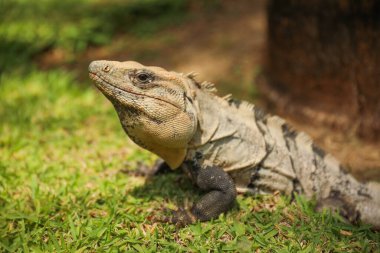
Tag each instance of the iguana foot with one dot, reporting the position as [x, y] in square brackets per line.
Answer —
[366, 211]
[220, 197]
[344, 209]
[180, 217]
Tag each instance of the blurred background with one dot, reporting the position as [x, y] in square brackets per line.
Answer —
[66, 166]
[315, 63]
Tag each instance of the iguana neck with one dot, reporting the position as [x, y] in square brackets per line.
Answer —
[174, 156]
[220, 122]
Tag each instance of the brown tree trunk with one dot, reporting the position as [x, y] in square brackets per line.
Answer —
[323, 62]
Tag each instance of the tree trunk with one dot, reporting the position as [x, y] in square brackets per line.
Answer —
[323, 62]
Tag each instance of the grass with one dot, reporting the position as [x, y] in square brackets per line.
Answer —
[64, 186]
[29, 28]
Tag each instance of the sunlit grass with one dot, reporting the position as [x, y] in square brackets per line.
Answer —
[63, 187]
[64, 157]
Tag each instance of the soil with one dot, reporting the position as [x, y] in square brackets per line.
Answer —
[224, 45]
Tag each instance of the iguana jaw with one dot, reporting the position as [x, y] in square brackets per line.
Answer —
[152, 104]
[109, 89]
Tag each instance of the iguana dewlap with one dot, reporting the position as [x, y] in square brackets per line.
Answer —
[226, 146]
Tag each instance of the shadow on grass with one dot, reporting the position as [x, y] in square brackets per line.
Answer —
[171, 186]
[297, 216]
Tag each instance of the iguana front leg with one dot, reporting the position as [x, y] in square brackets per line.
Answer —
[220, 196]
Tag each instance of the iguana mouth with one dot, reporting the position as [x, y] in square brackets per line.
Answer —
[92, 75]
[101, 81]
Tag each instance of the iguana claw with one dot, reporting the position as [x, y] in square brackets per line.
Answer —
[180, 217]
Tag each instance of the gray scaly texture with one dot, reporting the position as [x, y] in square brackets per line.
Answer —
[226, 146]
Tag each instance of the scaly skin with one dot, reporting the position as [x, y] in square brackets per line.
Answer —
[226, 146]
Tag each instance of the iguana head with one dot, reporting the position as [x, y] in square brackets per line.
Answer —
[154, 105]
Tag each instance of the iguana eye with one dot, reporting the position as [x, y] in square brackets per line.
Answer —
[141, 78]
[144, 77]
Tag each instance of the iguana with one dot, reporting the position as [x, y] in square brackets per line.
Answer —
[226, 146]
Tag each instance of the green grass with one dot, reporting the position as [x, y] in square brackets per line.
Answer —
[63, 157]
[30, 27]
[63, 186]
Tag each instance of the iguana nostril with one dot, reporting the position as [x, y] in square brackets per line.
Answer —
[106, 68]
[96, 66]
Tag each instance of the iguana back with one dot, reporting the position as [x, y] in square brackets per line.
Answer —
[226, 145]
